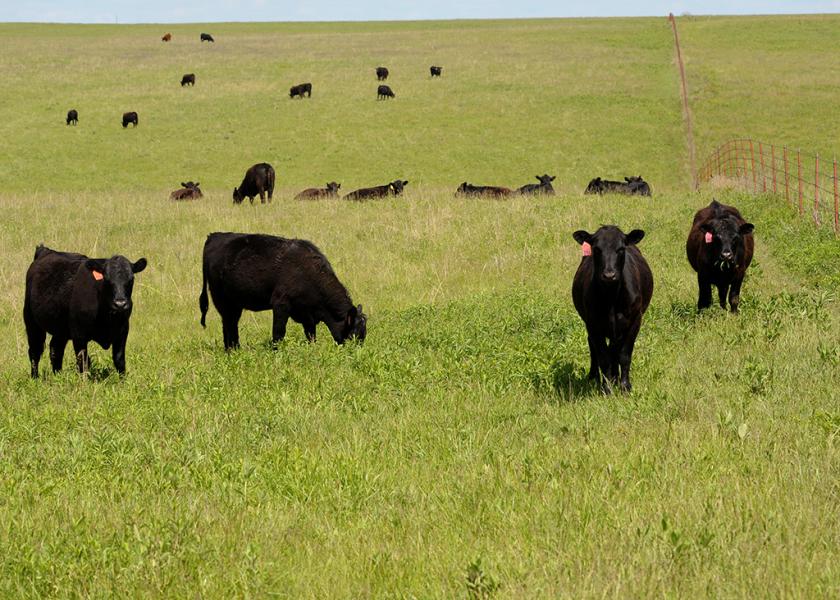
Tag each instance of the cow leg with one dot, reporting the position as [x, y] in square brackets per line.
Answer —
[278, 327]
[118, 353]
[735, 295]
[57, 345]
[82, 357]
[230, 329]
[36, 337]
[262, 196]
[593, 357]
[309, 329]
[625, 355]
[603, 360]
[705, 298]
[722, 290]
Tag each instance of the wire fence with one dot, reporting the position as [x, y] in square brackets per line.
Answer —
[805, 180]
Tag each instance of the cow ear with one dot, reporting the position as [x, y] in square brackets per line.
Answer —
[746, 229]
[553, 177]
[405, 182]
[634, 237]
[581, 236]
[196, 184]
[138, 266]
[184, 184]
[96, 264]
[359, 310]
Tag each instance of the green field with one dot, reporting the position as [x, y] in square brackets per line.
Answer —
[460, 451]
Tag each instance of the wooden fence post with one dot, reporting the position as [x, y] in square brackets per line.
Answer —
[773, 165]
[787, 188]
[752, 166]
[761, 159]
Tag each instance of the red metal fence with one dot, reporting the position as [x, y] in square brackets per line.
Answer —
[805, 180]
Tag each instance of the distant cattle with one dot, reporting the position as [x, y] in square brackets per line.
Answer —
[543, 187]
[301, 90]
[436, 71]
[331, 191]
[129, 117]
[79, 299]
[384, 92]
[720, 247]
[188, 191]
[166, 37]
[381, 73]
[292, 278]
[612, 289]
[72, 117]
[632, 186]
[259, 179]
[188, 79]
[467, 189]
[394, 188]
[206, 37]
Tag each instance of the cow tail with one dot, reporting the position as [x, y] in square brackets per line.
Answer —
[203, 304]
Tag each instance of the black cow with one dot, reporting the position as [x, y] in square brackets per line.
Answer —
[636, 186]
[292, 278]
[394, 188]
[604, 186]
[331, 191]
[259, 179]
[188, 79]
[381, 73]
[73, 297]
[206, 37]
[436, 71]
[188, 191]
[300, 90]
[72, 116]
[543, 187]
[467, 189]
[611, 291]
[383, 92]
[720, 247]
[129, 117]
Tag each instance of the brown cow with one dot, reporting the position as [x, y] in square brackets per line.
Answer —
[720, 248]
[167, 37]
[331, 191]
[188, 191]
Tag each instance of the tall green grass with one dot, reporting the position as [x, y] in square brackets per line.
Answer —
[460, 452]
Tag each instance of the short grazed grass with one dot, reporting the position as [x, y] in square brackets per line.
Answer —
[459, 452]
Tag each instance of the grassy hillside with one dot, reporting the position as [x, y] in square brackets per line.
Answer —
[459, 452]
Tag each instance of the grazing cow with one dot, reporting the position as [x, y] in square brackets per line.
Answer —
[129, 117]
[331, 191]
[188, 79]
[259, 179]
[384, 92]
[394, 188]
[720, 248]
[300, 90]
[436, 71]
[72, 116]
[467, 189]
[292, 278]
[188, 191]
[381, 73]
[611, 291]
[206, 37]
[543, 187]
[167, 37]
[73, 297]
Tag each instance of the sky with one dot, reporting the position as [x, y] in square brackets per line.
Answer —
[192, 11]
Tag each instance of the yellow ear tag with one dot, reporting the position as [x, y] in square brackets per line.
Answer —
[98, 276]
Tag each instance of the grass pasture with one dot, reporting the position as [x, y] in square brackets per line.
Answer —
[459, 452]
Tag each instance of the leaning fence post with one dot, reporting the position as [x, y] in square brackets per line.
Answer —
[817, 190]
[836, 217]
[773, 165]
[787, 189]
[752, 166]
[799, 177]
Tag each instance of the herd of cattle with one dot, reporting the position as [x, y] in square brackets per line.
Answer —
[76, 298]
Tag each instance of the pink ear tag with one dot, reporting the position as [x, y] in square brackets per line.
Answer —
[708, 237]
[587, 249]
[98, 276]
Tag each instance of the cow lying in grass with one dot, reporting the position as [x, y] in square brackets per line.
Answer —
[188, 191]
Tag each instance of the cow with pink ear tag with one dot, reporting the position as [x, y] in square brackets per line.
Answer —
[612, 289]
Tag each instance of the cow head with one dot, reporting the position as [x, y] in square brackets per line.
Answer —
[725, 235]
[397, 187]
[117, 276]
[634, 179]
[355, 324]
[545, 179]
[595, 186]
[608, 246]
[238, 196]
[332, 187]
